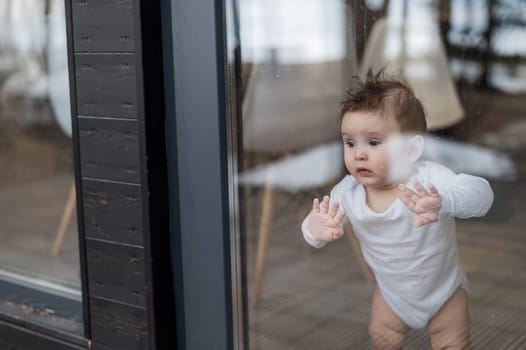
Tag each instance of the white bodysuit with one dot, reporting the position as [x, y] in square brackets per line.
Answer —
[417, 269]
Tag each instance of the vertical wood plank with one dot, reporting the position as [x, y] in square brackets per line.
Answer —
[106, 84]
[112, 211]
[117, 326]
[117, 272]
[110, 149]
[103, 25]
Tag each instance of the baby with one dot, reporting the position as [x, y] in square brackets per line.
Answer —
[402, 211]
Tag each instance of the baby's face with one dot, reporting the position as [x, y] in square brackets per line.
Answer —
[366, 153]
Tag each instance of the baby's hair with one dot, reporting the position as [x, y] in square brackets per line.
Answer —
[387, 96]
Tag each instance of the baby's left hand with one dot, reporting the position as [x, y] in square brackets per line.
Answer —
[426, 204]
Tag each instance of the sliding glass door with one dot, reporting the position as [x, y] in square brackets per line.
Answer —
[254, 136]
[464, 62]
[40, 278]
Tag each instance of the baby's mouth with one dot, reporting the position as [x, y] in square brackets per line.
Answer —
[364, 172]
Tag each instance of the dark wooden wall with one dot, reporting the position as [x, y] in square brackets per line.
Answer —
[117, 102]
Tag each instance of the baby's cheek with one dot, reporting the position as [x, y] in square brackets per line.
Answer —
[382, 161]
[348, 164]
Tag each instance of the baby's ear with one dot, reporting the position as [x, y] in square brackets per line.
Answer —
[416, 147]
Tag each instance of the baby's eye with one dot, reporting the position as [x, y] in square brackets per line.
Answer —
[349, 143]
[375, 143]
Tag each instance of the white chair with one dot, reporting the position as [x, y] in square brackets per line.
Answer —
[408, 42]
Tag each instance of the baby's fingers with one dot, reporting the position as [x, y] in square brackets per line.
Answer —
[433, 190]
[316, 205]
[324, 207]
[337, 233]
[334, 234]
[334, 209]
[421, 190]
[408, 193]
[421, 221]
[408, 203]
[335, 221]
[340, 216]
[407, 197]
[425, 218]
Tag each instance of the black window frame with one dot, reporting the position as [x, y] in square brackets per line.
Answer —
[201, 70]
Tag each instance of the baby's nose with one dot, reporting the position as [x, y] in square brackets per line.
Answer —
[360, 154]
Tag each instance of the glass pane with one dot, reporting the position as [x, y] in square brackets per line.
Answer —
[466, 63]
[38, 231]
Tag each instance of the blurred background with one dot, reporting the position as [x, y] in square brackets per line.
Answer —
[38, 231]
[466, 60]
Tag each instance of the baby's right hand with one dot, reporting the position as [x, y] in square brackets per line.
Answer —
[324, 223]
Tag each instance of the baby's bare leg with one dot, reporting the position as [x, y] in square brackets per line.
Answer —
[387, 330]
[449, 328]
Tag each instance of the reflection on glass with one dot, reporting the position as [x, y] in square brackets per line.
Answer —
[466, 61]
[38, 232]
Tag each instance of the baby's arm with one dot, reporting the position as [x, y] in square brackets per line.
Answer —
[468, 196]
[462, 196]
[324, 223]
